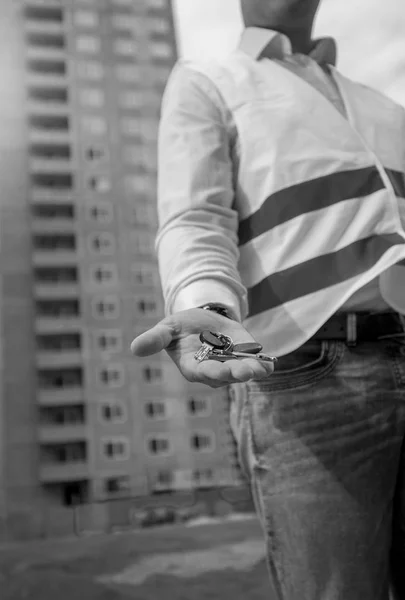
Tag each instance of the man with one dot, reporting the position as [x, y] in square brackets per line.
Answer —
[282, 206]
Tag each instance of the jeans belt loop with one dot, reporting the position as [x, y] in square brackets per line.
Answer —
[351, 329]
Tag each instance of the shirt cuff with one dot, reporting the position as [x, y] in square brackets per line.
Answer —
[206, 290]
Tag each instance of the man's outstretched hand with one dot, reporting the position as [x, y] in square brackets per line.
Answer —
[179, 336]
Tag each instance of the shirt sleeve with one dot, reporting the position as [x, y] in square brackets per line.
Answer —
[197, 241]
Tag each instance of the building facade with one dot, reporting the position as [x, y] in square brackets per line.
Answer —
[81, 420]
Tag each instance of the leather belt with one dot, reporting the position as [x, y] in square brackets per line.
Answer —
[361, 327]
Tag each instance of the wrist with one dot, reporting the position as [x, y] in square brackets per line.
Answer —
[220, 309]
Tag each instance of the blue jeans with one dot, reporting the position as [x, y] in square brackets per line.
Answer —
[322, 442]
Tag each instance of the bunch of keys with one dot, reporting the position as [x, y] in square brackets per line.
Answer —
[218, 346]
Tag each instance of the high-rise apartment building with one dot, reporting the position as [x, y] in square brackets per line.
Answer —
[80, 419]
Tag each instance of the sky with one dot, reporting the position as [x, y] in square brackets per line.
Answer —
[370, 35]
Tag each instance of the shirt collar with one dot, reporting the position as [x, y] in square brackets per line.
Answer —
[255, 39]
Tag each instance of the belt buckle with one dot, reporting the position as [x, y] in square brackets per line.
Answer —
[351, 330]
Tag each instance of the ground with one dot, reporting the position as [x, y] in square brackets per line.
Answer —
[216, 561]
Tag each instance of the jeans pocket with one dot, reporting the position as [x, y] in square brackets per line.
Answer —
[301, 368]
[279, 406]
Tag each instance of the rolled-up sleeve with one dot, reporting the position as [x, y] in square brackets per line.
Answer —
[197, 242]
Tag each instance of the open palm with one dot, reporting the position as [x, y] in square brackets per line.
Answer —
[179, 336]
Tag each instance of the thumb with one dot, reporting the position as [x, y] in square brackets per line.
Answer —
[156, 339]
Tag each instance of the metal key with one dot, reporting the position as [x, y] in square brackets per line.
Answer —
[223, 356]
[212, 341]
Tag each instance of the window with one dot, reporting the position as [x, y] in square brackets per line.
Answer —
[113, 411]
[141, 213]
[107, 307]
[160, 74]
[94, 125]
[99, 183]
[130, 126]
[161, 50]
[159, 445]
[157, 3]
[58, 342]
[123, 21]
[152, 374]
[202, 442]
[164, 481]
[49, 122]
[132, 154]
[108, 340]
[131, 100]
[203, 477]
[116, 448]
[102, 243]
[125, 47]
[198, 406]
[86, 18]
[57, 95]
[91, 70]
[104, 274]
[61, 181]
[95, 153]
[92, 97]
[50, 151]
[65, 453]
[144, 275]
[159, 25]
[46, 66]
[60, 378]
[62, 415]
[143, 242]
[147, 307]
[115, 485]
[112, 376]
[100, 212]
[57, 308]
[88, 43]
[52, 275]
[149, 130]
[44, 13]
[46, 40]
[127, 73]
[156, 410]
[51, 242]
[53, 211]
[139, 183]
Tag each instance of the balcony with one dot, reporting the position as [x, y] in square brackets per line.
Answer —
[56, 289]
[55, 195]
[52, 225]
[50, 165]
[52, 433]
[38, 26]
[67, 396]
[45, 52]
[48, 107]
[58, 358]
[55, 324]
[50, 135]
[50, 79]
[60, 258]
[72, 471]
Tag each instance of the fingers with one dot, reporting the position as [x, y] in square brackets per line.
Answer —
[216, 374]
[156, 339]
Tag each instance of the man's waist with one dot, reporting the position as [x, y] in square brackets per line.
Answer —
[356, 327]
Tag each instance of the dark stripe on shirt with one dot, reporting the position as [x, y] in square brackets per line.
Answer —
[319, 273]
[291, 202]
[397, 181]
